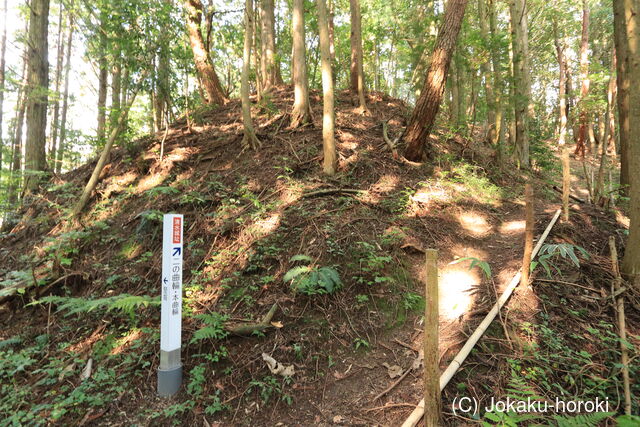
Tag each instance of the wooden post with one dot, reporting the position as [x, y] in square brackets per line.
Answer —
[621, 326]
[432, 401]
[528, 234]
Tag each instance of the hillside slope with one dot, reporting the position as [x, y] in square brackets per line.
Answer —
[247, 214]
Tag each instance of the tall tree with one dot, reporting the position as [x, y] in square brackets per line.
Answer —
[268, 40]
[562, 114]
[37, 93]
[206, 72]
[428, 103]
[55, 125]
[103, 75]
[65, 99]
[357, 68]
[249, 140]
[521, 82]
[622, 80]
[483, 21]
[3, 50]
[581, 144]
[301, 112]
[631, 261]
[498, 85]
[328, 118]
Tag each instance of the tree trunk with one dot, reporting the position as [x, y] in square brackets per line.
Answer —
[103, 75]
[581, 145]
[332, 43]
[54, 126]
[562, 132]
[206, 72]
[483, 20]
[16, 155]
[301, 113]
[95, 176]
[65, 99]
[428, 104]
[268, 40]
[498, 133]
[357, 69]
[519, 41]
[116, 87]
[163, 82]
[328, 137]
[631, 261]
[37, 93]
[3, 50]
[249, 139]
[622, 80]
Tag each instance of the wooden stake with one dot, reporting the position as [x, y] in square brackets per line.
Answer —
[528, 234]
[621, 326]
[432, 406]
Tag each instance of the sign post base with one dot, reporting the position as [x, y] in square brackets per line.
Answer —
[169, 381]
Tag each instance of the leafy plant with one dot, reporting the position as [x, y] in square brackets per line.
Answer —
[312, 280]
[213, 329]
[564, 250]
[124, 303]
[475, 262]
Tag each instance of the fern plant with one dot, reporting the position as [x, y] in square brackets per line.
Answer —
[124, 303]
[312, 280]
[213, 327]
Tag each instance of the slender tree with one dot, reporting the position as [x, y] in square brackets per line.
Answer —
[65, 99]
[581, 145]
[3, 50]
[37, 93]
[357, 69]
[562, 113]
[249, 140]
[103, 76]
[631, 261]
[428, 103]
[622, 80]
[328, 118]
[55, 125]
[521, 86]
[301, 112]
[206, 72]
[268, 41]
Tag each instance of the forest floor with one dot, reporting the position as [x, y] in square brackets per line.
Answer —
[247, 214]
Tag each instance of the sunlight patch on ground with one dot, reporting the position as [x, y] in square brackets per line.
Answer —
[126, 341]
[425, 197]
[512, 227]
[476, 224]
[119, 182]
[384, 185]
[455, 285]
[152, 181]
[622, 219]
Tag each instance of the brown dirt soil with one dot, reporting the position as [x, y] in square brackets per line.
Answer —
[246, 215]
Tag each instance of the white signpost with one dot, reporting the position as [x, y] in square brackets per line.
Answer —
[170, 370]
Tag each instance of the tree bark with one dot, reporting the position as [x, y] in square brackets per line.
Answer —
[206, 72]
[428, 104]
[519, 41]
[328, 120]
[301, 112]
[116, 87]
[268, 40]
[37, 93]
[631, 261]
[562, 132]
[65, 99]
[55, 125]
[483, 21]
[622, 80]
[581, 145]
[357, 69]
[3, 50]
[16, 155]
[103, 75]
[249, 140]
[498, 134]
[95, 176]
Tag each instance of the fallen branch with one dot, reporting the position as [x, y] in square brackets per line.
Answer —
[250, 328]
[392, 144]
[392, 386]
[326, 192]
[455, 364]
[572, 197]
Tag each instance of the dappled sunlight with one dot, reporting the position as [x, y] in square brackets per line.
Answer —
[126, 341]
[151, 181]
[385, 185]
[622, 219]
[427, 195]
[475, 223]
[118, 183]
[511, 227]
[86, 344]
[455, 291]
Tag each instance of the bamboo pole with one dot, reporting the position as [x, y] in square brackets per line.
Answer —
[455, 364]
[621, 326]
[528, 233]
[430, 342]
